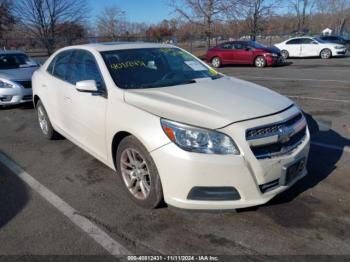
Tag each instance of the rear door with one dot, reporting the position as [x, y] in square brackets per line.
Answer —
[294, 47]
[309, 47]
[226, 53]
[54, 88]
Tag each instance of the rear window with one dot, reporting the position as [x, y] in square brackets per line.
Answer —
[14, 61]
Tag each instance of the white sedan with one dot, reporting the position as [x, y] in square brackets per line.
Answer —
[310, 47]
[174, 129]
[16, 70]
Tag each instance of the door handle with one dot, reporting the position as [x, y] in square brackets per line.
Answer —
[67, 99]
[43, 85]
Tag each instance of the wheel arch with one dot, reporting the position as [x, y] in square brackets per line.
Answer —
[117, 139]
[36, 99]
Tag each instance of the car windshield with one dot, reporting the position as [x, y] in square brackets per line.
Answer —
[256, 44]
[320, 40]
[155, 67]
[13, 61]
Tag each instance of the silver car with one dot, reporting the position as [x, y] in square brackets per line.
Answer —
[16, 70]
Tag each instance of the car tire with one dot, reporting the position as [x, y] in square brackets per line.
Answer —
[216, 62]
[326, 53]
[260, 62]
[139, 173]
[45, 123]
[285, 54]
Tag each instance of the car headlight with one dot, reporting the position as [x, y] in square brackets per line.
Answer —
[199, 140]
[6, 83]
[271, 54]
[339, 47]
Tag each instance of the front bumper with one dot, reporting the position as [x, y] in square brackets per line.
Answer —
[181, 171]
[16, 95]
[339, 52]
[274, 60]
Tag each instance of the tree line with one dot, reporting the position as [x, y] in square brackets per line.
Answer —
[51, 20]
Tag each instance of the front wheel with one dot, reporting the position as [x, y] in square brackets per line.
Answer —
[139, 173]
[260, 62]
[326, 53]
[216, 62]
[44, 122]
[285, 54]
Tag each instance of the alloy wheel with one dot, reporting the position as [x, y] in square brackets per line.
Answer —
[260, 61]
[216, 62]
[135, 173]
[43, 121]
[326, 53]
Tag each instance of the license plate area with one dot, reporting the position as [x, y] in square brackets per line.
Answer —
[294, 170]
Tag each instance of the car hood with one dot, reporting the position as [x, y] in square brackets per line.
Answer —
[24, 73]
[271, 50]
[210, 103]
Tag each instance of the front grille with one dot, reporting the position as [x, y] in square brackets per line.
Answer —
[25, 84]
[270, 130]
[279, 148]
[278, 138]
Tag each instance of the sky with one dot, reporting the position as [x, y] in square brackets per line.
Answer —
[148, 11]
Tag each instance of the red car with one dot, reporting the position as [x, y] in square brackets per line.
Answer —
[244, 52]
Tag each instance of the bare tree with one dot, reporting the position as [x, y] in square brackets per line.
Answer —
[255, 11]
[42, 18]
[111, 22]
[204, 12]
[6, 17]
[337, 12]
[302, 10]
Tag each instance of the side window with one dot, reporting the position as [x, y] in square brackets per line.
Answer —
[60, 65]
[83, 67]
[296, 41]
[306, 41]
[239, 46]
[226, 46]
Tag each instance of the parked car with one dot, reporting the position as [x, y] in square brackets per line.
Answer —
[171, 126]
[243, 52]
[16, 69]
[310, 47]
[334, 39]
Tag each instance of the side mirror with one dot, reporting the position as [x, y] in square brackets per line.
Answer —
[314, 42]
[87, 86]
[248, 48]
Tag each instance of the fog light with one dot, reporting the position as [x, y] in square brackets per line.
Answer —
[5, 98]
[214, 194]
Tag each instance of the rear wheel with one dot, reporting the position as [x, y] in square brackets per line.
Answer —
[260, 62]
[326, 53]
[44, 122]
[285, 54]
[139, 173]
[216, 62]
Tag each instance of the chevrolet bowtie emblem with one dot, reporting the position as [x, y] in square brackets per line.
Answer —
[285, 133]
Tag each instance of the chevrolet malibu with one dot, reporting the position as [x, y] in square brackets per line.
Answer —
[173, 129]
[16, 69]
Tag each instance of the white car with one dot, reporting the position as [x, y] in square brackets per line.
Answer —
[16, 69]
[310, 47]
[172, 127]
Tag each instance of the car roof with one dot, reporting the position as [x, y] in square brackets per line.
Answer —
[3, 52]
[111, 46]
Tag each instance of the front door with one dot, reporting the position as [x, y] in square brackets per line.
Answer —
[86, 112]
